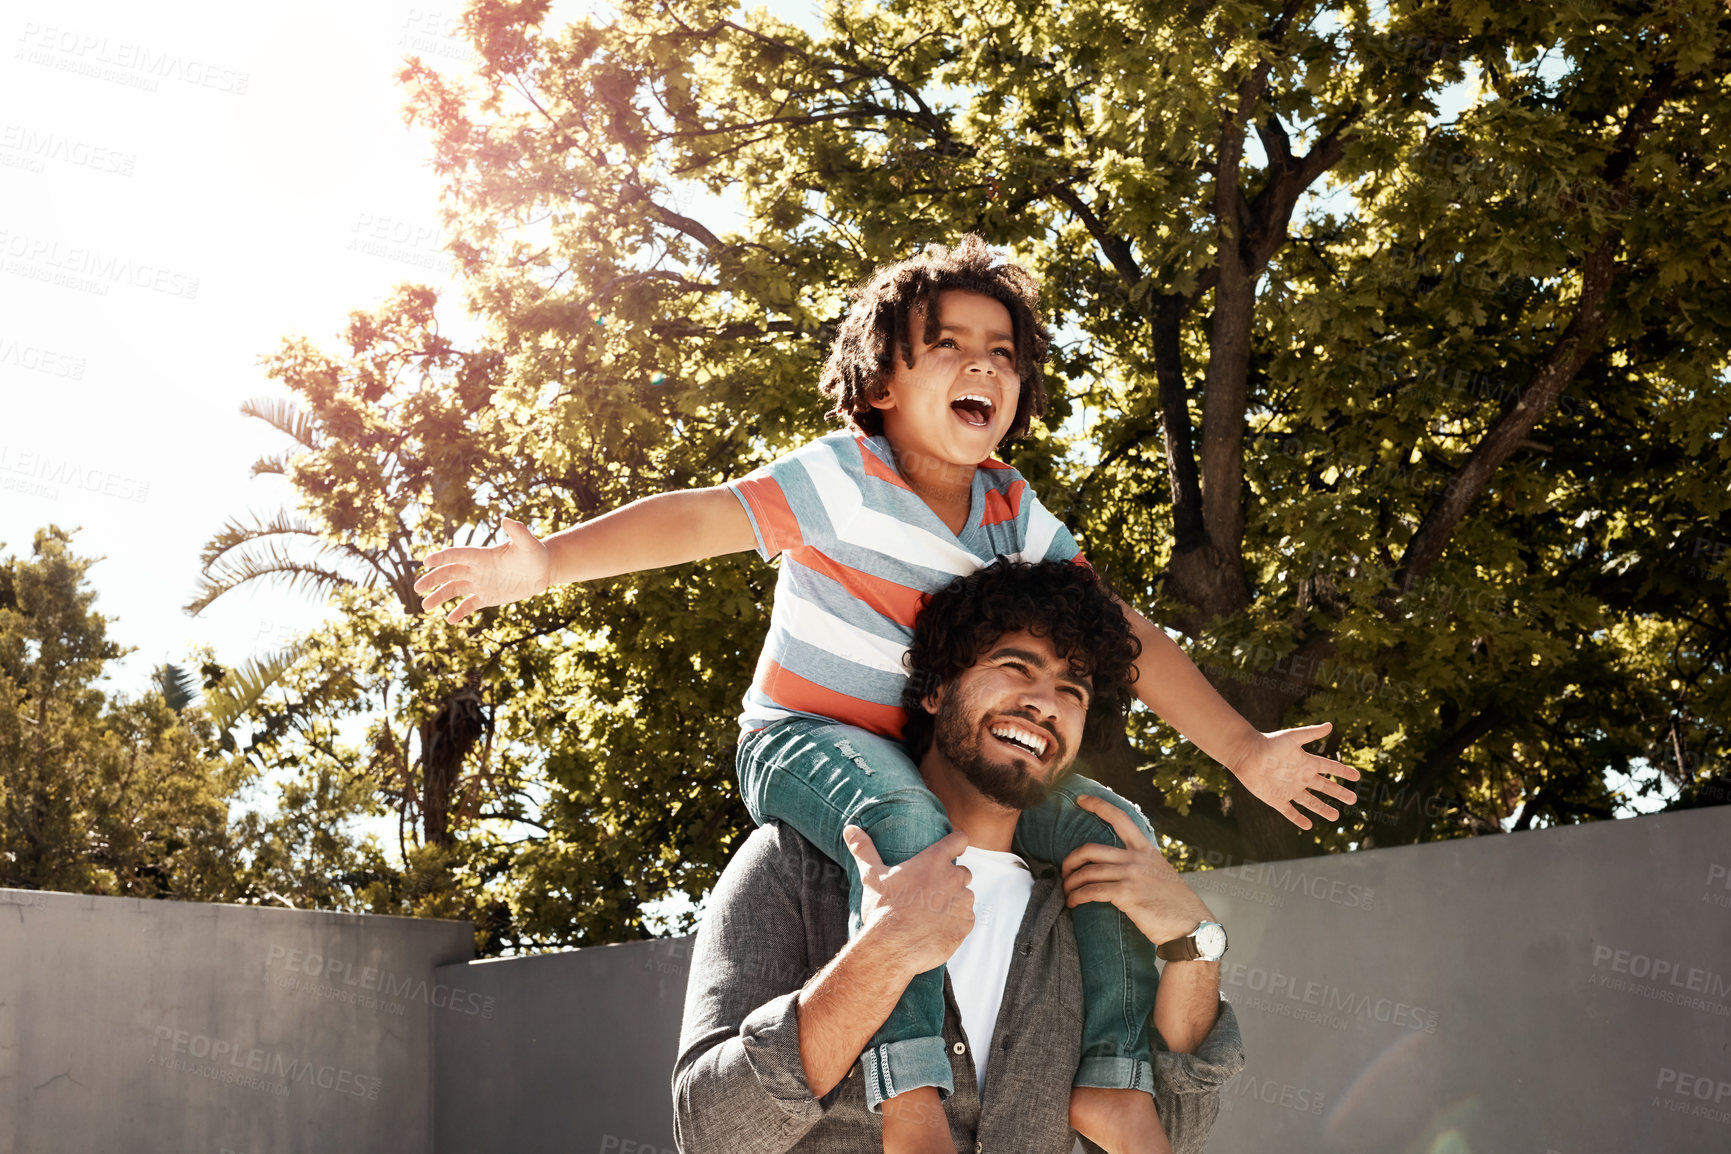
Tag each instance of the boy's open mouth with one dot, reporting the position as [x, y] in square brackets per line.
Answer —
[973, 409]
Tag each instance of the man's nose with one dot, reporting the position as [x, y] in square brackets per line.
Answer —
[1041, 695]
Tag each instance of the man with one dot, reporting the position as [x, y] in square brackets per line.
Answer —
[780, 1003]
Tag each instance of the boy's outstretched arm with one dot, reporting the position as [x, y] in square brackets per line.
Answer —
[1273, 766]
[666, 529]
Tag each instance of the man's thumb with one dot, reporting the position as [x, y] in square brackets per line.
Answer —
[517, 531]
[859, 844]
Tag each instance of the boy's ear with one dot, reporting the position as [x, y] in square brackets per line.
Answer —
[880, 397]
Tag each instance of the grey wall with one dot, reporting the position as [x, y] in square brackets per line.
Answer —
[198, 1029]
[1563, 991]
[1553, 992]
[577, 1058]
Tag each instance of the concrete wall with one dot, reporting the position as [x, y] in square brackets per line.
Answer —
[1559, 991]
[1554, 992]
[577, 1058]
[202, 1029]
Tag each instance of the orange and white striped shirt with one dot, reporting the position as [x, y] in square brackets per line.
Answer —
[859, 549]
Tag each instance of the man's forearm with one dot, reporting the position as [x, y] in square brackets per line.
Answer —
[1187, 1003]
[842, 1006]
[1169, 683]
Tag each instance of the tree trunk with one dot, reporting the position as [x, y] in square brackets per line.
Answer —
[446, 739]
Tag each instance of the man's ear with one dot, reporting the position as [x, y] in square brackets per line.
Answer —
[933, 699]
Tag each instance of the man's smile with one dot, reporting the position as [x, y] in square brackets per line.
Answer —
[1023, 736]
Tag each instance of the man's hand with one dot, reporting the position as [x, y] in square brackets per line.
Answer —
[1281, 773]
[478, 578]
[1137, 879]
[917, 912]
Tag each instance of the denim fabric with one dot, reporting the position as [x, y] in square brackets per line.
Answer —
[820, 777]
[778, 915]
[1119, 978]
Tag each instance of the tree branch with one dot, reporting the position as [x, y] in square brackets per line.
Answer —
[1271, 212]
[1164, 312]
[1578, 343]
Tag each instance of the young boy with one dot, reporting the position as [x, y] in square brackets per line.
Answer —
[935, 368]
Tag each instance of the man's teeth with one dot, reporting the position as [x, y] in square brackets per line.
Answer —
[1031, 742]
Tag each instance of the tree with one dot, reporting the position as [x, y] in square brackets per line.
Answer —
[1391, 374]
[402, 443]
[381, 459]
[1417, 387]
[98, 794]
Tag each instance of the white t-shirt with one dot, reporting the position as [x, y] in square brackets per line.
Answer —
[1001, 885]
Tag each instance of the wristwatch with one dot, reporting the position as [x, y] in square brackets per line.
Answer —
[1205, 943]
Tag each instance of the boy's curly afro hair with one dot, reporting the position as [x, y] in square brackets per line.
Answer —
[1061, 600]
[879, 326]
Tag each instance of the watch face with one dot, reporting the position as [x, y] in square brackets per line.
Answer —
[1210, 940]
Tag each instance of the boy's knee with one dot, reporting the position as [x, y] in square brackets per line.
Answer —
[1129, 809]
[903, 824]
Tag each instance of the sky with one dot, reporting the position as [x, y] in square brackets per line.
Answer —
[182, 186]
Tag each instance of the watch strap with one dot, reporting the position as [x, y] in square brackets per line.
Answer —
[1179, 949]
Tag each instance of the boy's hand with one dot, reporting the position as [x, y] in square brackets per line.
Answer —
[1136, 878]
[1281, 773]
[498, 575]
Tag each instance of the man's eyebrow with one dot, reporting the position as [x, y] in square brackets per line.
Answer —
[965, 329]
[1033, 658]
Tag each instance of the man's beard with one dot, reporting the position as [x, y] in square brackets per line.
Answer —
[958, 734]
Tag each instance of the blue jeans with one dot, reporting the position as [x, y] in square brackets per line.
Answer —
[822, 776]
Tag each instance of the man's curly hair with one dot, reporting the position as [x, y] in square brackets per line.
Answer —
[879, 326]
[1061, 600]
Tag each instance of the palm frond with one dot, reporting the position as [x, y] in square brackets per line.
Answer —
[176, 685]
[285, 417]
[234, 534]
[232, 697]
[258, 560]
[276, 463]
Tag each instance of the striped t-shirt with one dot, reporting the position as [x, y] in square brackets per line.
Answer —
[859, 550]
